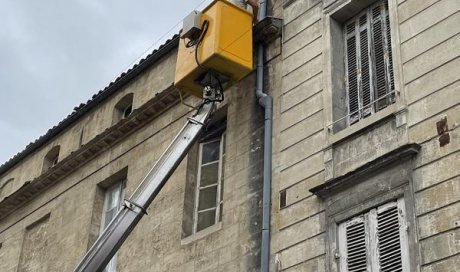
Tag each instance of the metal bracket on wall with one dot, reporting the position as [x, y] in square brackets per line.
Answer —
[267, 30]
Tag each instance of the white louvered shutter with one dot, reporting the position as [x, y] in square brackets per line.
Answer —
[351, 62]
[365, 77]
[368, 60]
[389, 63]
[353, 245]
[375, 241]
[379, 58]
[383, 61]
[389, 246]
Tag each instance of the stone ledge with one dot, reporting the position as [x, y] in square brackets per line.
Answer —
[201, 234]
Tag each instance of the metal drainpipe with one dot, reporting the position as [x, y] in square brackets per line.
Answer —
[266, 101]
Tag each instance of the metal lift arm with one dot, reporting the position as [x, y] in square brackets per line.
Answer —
[136, 206]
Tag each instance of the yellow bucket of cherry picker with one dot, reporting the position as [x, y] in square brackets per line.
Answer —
[226, 48]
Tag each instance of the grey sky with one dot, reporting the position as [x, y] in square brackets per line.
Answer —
[56, 54]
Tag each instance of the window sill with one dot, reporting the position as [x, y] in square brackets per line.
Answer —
[345, 133]
[201, 234]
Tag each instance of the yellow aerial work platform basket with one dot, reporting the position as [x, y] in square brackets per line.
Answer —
[226, 48]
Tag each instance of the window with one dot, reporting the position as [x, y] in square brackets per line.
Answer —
[368, 62]
[204, 182]
[209, 185]
[113, 197]
[123, 108]
[375, 241]
[51, 158]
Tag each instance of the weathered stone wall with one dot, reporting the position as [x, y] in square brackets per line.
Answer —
[307, 153]
[430, 41]
[156, 244]
[298, 229]
[155, 79]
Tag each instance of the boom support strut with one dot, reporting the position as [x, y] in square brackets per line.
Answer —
[136, 206]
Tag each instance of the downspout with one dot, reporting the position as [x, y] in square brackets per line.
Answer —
[266, 101]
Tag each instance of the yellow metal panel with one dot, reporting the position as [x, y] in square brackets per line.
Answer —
[226, 47]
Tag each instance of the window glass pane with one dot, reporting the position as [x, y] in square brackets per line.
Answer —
[109, 215]
[207, 198]
[210, 152]
[209, 174]
[206, 219]
[113, 197]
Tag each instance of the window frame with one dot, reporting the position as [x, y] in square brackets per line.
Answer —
[335, 15]
[364, 189]
[112, 264]
[219, 197]
[372, 107]
[369, 219]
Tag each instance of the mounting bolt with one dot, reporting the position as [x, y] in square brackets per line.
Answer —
[337, 255]
[443, 131]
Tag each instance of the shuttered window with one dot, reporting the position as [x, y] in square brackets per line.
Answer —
[375, 241]
[368, 62]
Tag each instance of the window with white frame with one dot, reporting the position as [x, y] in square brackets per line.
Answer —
[375, 241]
[368, 62]
[113, 198]
[209, 190]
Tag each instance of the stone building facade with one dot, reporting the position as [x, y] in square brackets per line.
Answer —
[365, 147]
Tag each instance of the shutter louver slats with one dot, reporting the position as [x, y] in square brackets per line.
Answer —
[365, 75]
[389, 245]
[375, 241]
[352, 80]
[390, 57]
[356, 247]
[369, 63]
[350, 29]
[379, 54]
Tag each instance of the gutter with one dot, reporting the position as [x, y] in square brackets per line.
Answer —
[266, 101]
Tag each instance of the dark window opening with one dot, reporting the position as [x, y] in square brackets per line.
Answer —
[51, 158]
[123, 108]
[283, 199]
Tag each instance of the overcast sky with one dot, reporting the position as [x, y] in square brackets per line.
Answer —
[56, 54]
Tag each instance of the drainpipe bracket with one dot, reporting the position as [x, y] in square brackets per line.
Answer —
[267, 30]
